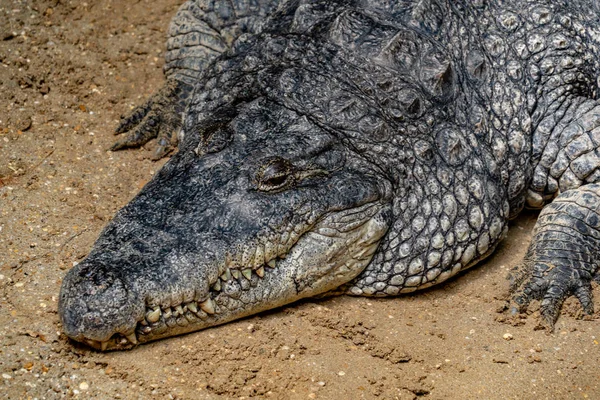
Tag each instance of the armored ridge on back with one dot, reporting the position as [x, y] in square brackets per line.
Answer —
[362, 147]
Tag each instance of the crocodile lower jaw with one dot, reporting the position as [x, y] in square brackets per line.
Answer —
[331, 253]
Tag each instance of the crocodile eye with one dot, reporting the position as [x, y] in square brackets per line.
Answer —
[276, 174]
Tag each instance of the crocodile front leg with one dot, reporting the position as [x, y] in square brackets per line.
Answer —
[200, 32]
[159, 117]
[562, 259]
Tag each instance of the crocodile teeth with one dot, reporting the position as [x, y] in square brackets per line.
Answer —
[260, 272]
[272, 263]
[259, 257]
[154, 315]
[132, 338]
[168, 313]
[192, 307]
[146, 330]
[226, 275]
[104, 345]
[247, 273]
[208, 306]
[217, 286]
[235, 273]
[179, 309]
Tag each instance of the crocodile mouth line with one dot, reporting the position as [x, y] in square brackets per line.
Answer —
[158, 319]
[161, 320]
[183, 316]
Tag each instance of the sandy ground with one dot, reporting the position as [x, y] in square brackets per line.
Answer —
[68, 69]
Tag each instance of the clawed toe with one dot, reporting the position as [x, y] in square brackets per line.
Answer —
[159, 117]
[552, 285]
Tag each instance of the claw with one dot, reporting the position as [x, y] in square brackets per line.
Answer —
[584, 295]
[160, 152]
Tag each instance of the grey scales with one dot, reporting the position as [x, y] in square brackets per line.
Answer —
[361, 147]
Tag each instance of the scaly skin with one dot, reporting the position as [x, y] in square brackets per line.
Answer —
[361, 147]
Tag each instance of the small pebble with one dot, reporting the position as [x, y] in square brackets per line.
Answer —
[507, 336]
[341, 373]
[84, 386]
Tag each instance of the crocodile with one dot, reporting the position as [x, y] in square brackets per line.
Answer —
[360, 147]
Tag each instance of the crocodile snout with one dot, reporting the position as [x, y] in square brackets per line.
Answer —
[95, 303]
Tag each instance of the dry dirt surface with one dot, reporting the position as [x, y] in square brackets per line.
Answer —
[68, 69]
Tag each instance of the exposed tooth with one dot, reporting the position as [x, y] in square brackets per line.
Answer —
[168, 312]
[260, 272]
[154, 315]
[235, 273]
[247, 273]
[272, 263]
[217, 285]
[144, 322]
[104, 345]
[259, 258]
[179, 309]
[192, 307]
[208, 306]
[226, 275]
[132, 338]
[146, 330]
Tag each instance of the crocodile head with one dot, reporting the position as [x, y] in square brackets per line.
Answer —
[260, 207]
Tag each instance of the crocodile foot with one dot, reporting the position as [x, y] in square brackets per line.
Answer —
[562, 260]
[159, 117]
[552, 285]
